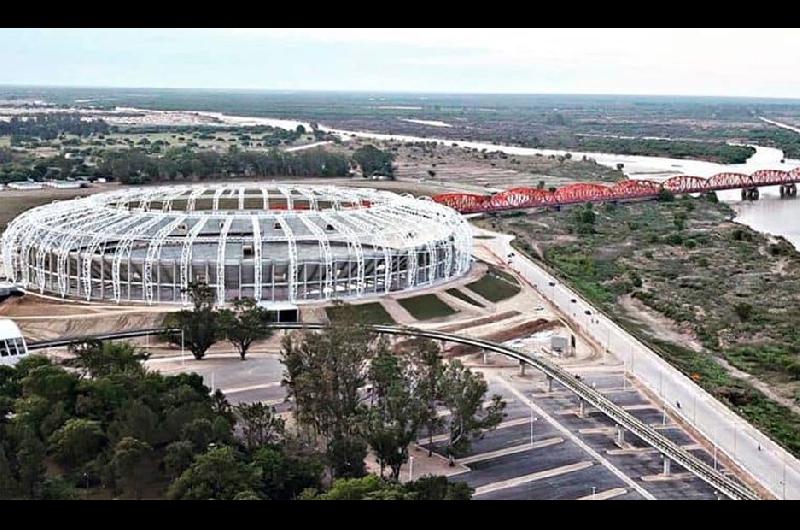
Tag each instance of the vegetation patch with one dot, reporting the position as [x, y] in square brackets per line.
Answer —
[426, 307]
[370, 313]
[461, 295]
[731, 291]
[494, 287]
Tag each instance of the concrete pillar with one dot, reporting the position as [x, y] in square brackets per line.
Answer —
[620, 436]
[667, 465]
[581, 408]
[485, 356]
[521, 368]
[549, 383]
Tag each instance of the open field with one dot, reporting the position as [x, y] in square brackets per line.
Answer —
[14, 202]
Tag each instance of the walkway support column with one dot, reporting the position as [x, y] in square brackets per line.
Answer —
[620, 436]
[522, 368]
[667, 466]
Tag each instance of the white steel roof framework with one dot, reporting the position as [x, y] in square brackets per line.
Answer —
[274, 242]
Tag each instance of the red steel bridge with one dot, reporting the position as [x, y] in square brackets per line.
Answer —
[517, 198]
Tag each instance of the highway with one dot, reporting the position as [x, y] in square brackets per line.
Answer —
[724, 484]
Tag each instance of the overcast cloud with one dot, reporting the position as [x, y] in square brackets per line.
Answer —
[618, 61]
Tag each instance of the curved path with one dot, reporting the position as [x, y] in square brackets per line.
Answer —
[722, 483]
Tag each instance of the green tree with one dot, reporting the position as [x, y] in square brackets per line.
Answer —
[438, 488]
[744, 311]
[373, 161]
[429, 371]
[370, 487]
[200, 326]
[178, 456]
[246, 323]
[98, 358]
[8, 482]
[259, 423]
[463, 394]
[396, 413]
[30, 463]
[131, 461]
[215, 475]
[77, 442]
[284, 474]
[323, 374]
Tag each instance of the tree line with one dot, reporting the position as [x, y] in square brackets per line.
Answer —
[51, 126]
[105, 426]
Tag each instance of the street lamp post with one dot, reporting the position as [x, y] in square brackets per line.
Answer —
[410, 468]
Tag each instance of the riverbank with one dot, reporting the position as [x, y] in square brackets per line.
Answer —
[716, 299]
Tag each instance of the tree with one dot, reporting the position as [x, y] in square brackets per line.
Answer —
[373, 161]
[463, 393]
[396, 415]
[438, 488]
[98, 358]
[8, 482]
[370, 487]
[665, 195]
[215, 475]
[743, 310]
[285, 474]
[245, 324]
[178, 456]
[260, 424]
[200, 325]
[130, 462]
[429, 367]
[323, 374]
[77, 442]
[30, 463]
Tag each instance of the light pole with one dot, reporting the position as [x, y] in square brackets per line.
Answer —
[410, 468]
[183, 347]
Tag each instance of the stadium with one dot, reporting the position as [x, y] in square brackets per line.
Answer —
[265, 241]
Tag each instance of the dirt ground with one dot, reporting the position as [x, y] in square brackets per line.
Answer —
[14, 202]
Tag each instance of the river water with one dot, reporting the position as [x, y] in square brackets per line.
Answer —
[769, 214]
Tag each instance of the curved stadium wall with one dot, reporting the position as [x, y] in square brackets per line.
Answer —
[268, 242]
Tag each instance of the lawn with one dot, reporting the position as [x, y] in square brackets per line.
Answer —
[461, 295]
[494, 288]
[371, 313]
[426, 307]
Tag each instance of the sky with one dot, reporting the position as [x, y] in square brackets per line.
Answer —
[712, 62]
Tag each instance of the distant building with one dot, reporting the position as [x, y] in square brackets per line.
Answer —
[63, 184]
[26, 185]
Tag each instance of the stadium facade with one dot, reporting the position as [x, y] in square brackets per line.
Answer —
[270, 242]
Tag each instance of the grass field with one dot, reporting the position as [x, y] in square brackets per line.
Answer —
[371, 313]
[426, 307]
[494, 287]
[461, 295]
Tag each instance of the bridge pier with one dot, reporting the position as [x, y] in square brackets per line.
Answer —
[549, 383]
[522, 369]
[667, 466]
[620, 436]
[750, 194]
[788, 191]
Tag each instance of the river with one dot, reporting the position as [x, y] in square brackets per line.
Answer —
[770, 214]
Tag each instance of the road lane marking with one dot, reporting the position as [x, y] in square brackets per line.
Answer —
[480, 457]
[518, 481]
[580, 443]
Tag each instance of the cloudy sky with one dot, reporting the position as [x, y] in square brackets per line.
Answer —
[762, 63]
